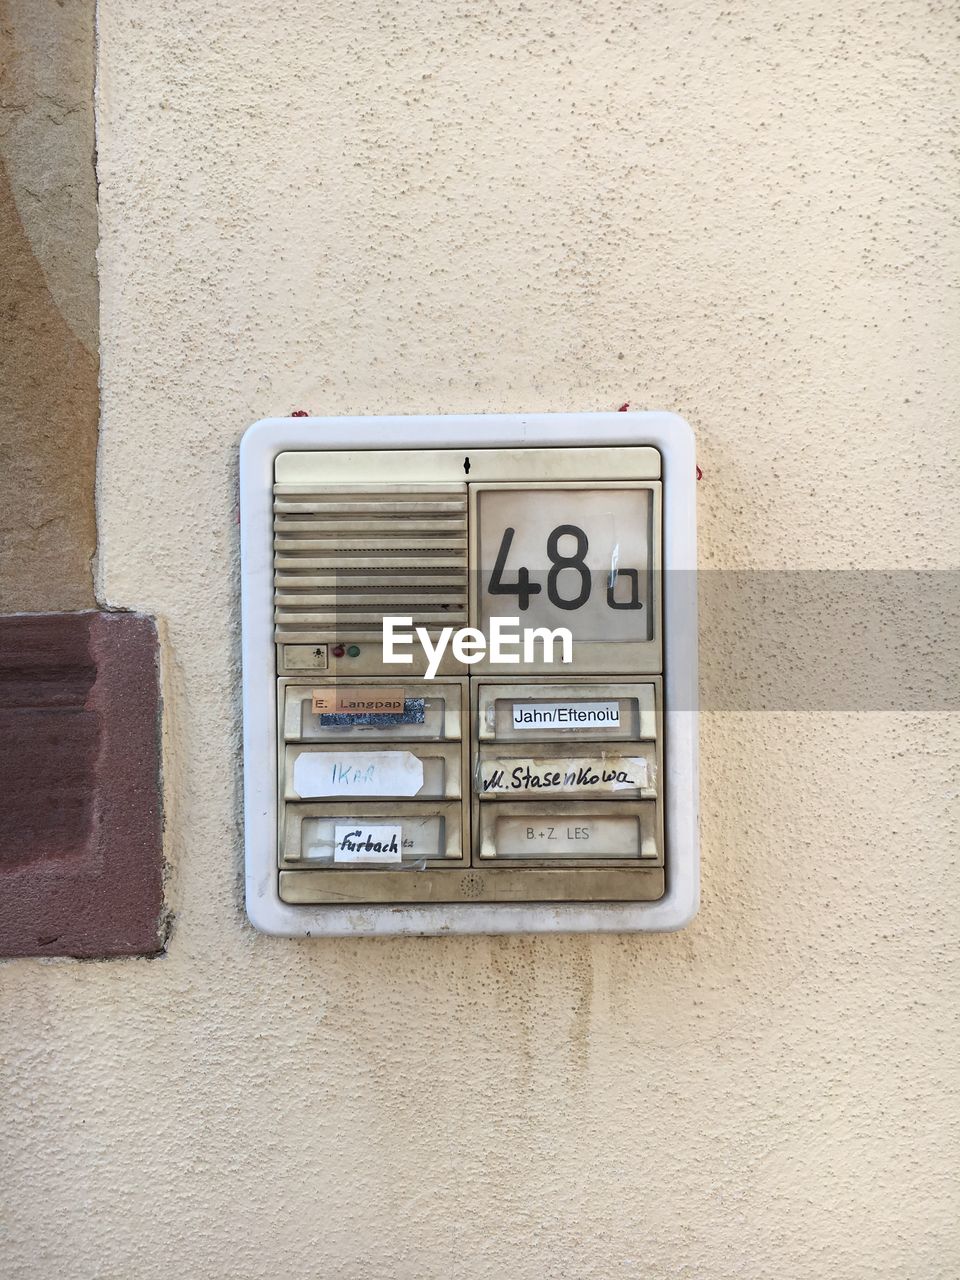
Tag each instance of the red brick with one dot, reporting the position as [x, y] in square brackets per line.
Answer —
[81, 869]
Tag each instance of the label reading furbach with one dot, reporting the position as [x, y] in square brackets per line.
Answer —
[566, 715]
[358, 842]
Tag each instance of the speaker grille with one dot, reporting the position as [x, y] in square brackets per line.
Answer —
[345, 555]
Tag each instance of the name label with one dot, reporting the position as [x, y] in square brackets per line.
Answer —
[358, 842]
[357, 773]
[337, 701]
[588, 773]
[566, 715]
[538, 837]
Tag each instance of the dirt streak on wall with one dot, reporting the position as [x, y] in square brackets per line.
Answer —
[48, 305]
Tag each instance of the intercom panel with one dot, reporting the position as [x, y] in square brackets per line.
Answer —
[469, 674]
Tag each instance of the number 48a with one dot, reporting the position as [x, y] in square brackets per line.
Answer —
[523, 588]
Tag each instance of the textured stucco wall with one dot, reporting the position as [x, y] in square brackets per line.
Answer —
[740, 212]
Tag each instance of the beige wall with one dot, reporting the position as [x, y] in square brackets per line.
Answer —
[740, 212]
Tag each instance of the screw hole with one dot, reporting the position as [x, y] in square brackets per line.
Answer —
[466, 466]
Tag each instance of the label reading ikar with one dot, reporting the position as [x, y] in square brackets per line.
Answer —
[318, 774]
[566, 715]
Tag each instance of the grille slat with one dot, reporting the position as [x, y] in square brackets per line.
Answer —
[334, 491]
[346, 554]
[301, 600]
[283, 506]
[321, 523]
[355, 542]
[350, 619]
[399, 575]
[382, 561]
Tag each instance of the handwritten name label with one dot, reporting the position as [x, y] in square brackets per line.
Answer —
[357, 773]
[357, 842]
[339, 701]
[600, 776]
[566, 715]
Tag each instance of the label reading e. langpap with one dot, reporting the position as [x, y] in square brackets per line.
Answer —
[566, 715]
[334, 700]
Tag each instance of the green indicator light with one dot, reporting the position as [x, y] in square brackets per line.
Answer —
[353, 651]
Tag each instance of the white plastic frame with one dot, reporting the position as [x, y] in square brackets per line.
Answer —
[669, 434]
